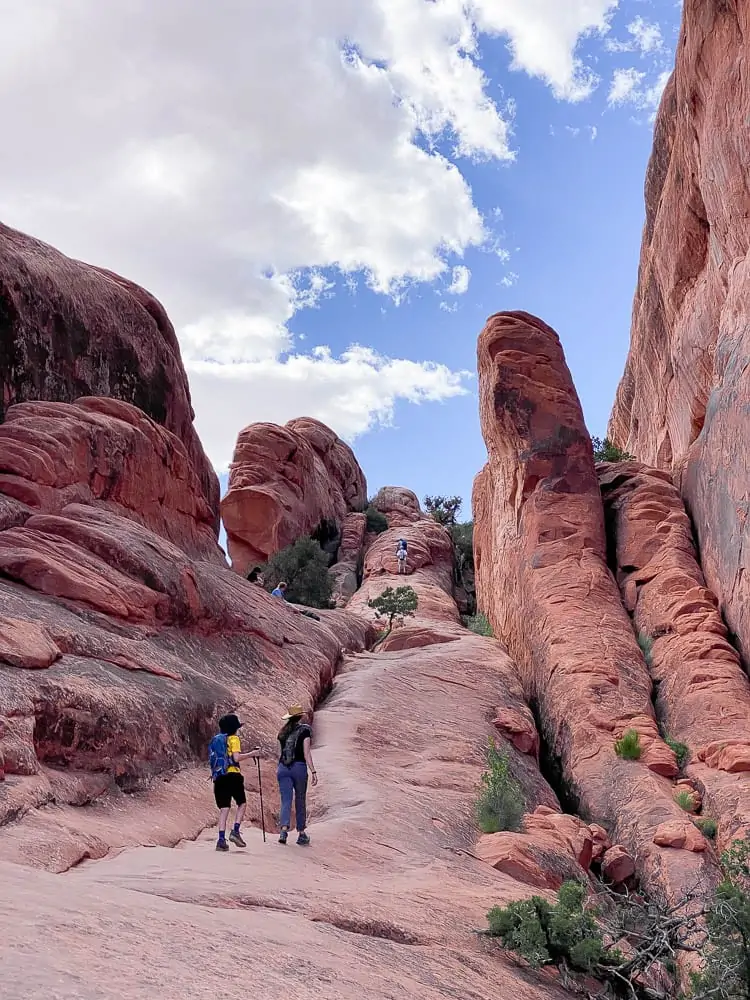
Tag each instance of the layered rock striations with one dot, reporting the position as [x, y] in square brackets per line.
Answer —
[683, 401]
[542, 578]
[703, 694]
[68, 329]
[285, 482]
[123, 634]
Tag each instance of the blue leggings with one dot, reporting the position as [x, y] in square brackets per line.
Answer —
[293, 781]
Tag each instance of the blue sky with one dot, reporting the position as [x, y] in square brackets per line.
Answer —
[330, 205]
[572, 214]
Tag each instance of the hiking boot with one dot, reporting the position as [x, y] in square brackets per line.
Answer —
[303, 840]
[237, 839]
[222, 845]
[282, 837]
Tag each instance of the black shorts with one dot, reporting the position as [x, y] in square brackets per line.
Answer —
[229, 786]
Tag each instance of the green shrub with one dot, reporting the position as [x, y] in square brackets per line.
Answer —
[463, 540]
[543, 932]
[304, 567]
[605, 451]
[501, 803]
[377, 523]
[629, 746]
[443, 509]
[479, 624]
[647, 645]
[708, 827]
[680, 750]
[726, 970]
[685, 800]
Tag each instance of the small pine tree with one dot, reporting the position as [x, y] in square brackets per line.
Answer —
[726, 972]
[606, 451]
[560, 933]
[443, 509]
[501, 803]
[304, 567]
[393, 606]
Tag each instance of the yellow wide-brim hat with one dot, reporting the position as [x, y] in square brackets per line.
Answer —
[292, 712]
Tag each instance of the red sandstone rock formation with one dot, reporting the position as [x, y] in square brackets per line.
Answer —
[543, 580]
[68, 329]
[283, 482]
[122, 631]
[345, 571]
[703, 693]
[683, 400]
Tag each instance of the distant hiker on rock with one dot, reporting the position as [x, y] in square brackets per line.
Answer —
[401, 555]
[295, 762]
[256, 576]
[224, 756]
[280, 591]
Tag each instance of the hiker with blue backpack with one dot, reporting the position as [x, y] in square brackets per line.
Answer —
[295, 764]
[401, 555]
[224, 756]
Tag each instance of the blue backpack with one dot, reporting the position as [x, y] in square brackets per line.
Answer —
[218, 756]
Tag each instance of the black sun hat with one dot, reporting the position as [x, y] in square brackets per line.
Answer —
[229, 724]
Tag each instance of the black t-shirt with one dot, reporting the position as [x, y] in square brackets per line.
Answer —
[303, 732]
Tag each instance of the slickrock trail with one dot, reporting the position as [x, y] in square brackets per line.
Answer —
[385, 902]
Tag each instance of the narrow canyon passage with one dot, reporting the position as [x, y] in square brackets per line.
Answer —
[384, 904]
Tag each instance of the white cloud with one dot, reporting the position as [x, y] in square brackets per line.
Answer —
[645, 37]
[237, 159]
[460, 280]
[628, 88]
[352, 393]
[625, 86]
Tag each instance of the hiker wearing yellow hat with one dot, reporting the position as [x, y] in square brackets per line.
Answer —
[295, 764]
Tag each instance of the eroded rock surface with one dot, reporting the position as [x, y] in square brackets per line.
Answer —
[122, 631]
[68, 329]
[683, 401]
[703, 692]
[284, 483]
[543, 580]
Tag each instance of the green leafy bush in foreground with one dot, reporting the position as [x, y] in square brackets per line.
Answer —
[501, 803]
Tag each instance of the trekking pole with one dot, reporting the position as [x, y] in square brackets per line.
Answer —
[260, 789]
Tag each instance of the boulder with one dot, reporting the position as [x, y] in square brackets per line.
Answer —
[551, 849]
[539, 535]
[682, 404]
[617, 865]
[286, 482]
[68, 329]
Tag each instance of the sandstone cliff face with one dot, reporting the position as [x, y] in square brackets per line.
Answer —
[283, 482]
[682, 403]
[68, 329]
[543, 579]
[122, 632]
[703, 694]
